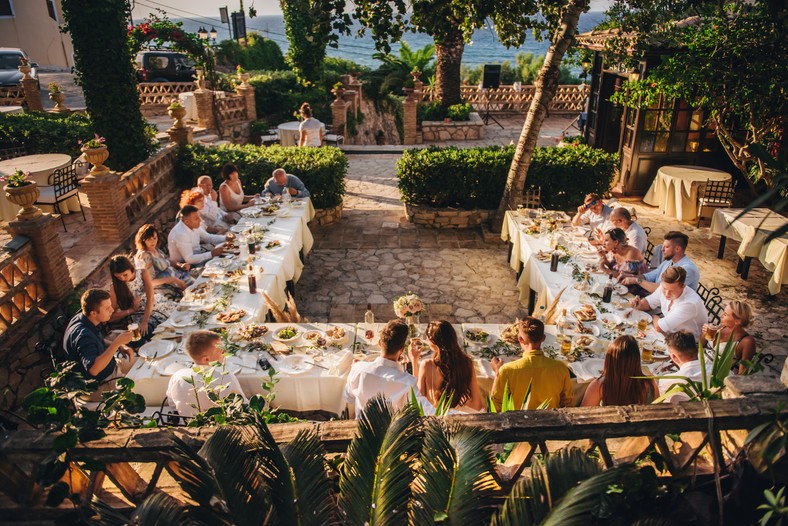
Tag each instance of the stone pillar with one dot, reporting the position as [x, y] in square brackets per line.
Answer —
[339, 116]
[107, 205]
[32, 95]
[409, 119]
[355, 85]
[44, 234]
[203, 98]
[351, 97]
[181, 136]
[247, 92]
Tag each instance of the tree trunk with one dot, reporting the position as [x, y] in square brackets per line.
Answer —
[448, 57]
[546, 86]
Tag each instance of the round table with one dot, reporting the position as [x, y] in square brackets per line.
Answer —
[288, 133]
[188, 101]
[10, 110]
[40, 167]
[675, 189]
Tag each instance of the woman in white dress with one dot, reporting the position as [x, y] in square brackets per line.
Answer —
[310, 130]
[231, 193]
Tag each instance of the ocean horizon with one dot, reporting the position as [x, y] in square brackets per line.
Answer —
[484, 47]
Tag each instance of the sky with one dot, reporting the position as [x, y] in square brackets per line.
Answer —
[211, 7]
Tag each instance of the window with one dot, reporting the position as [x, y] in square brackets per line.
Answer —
[6, 8]
[51, 9]
[675, 127]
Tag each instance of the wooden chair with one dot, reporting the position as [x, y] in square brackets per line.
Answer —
[336, 136]
[716, 194]
[63, 184]
[532, 198]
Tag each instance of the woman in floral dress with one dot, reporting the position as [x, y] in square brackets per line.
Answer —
[167, 279]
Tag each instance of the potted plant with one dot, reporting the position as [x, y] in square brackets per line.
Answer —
[177, 111]
[338, 90]
[243, 76]
[380, 138]
[22, 191]
[96, 153]
[57, 96]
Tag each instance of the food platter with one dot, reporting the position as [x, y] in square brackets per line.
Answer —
[279, 333]
[232, 316]
[584, 312]
[182, 319]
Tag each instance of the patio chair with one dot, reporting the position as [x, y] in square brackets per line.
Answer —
[271, 138]
[532, 198]
[648, 255]
[336, 136]
[63, 184]
[707, 293]
[53, 345]
[714, 307]
[716, 194]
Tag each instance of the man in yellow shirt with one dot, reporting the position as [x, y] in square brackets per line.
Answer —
[549, 378]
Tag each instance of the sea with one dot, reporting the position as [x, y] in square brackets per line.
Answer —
[484, 47]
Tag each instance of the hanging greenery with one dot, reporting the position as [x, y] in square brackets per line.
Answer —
[161, 30]
[106, 74]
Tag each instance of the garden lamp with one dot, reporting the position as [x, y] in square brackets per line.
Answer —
[202, 33]
[213, 34]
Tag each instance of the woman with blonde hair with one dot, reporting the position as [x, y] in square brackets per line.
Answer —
[736, 317]
[310, 131]
[450, 370]
[619, 383]
[169, 279]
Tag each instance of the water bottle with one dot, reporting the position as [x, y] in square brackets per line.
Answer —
[285, 196]
[369, 318]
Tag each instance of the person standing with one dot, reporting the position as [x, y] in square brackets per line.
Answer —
[310, 131]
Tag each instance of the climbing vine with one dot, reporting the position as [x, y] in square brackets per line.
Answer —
[106, 74]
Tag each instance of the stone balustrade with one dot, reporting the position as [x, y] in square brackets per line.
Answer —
[156, 96]
[569, 98]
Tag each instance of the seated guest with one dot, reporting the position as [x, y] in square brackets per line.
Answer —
[169, 279]
[185, 239]
[384, 375]
[626, 259]
[621, 218]
[231, 193]
[84, 344]
[593, 212]
[549, 379]
[736, 317]
[674, 251]
[282, 180]
[450, 372]
[619, 383]
[197, 199]
[211, 213]
[682, 308]
[187, 392]
[683, 350]
[134, 300]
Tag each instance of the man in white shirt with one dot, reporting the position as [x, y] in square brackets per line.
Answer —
[681, 307]
[384, 375]
[187, 392]
[674, 250]
[185, 238]
[593, 212]
[683, 350]
[636, 236]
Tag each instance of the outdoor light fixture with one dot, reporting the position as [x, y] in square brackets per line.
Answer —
[202, 33]
[213, 33]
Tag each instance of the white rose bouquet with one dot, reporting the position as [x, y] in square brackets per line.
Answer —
[408, 305]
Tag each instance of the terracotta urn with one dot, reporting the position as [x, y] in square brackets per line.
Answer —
[177, 113]
[24, 196]
[338, 93]
[25, 70]
[244, 79]
[96, 157]
[58, 97]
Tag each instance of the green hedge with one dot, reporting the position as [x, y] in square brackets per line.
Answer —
[45, 132]
[475, 177]
[323, 170]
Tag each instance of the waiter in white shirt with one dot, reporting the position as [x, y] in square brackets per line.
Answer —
[681, 306]
[385, 375]
[187, 235]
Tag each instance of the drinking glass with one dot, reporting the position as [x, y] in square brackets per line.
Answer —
[136, 335]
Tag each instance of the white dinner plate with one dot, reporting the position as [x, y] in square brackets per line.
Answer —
[239, 229]
[275, 335]
[338, 341]
[609, 320]
[571, 311]
[157, 348]
[172, 364]
[182, 319]
[294, 364]
[243, 319]
[274, 249]
[620, 289]
[296, 204]
[589, 368]
[588, 325]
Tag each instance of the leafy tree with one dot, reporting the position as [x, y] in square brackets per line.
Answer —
[260, 53]
[105, 72]
[731, 62]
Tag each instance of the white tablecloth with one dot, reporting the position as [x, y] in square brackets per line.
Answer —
[40, 167]
[675, 189]
[752, 230]
[10, 110]
[188, 101]
[288, 133]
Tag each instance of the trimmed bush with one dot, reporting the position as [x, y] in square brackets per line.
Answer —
[323, 170]
[475, 177]
[430, 111]
[460, 112]
[46, 132]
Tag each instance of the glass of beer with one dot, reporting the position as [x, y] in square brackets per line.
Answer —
[643, 323]
[136, 335]
[710, 332]
[566, 345]
[647, 354]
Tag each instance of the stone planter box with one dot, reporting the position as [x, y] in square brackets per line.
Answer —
[471, 130]
[447, 217]
[326, 216]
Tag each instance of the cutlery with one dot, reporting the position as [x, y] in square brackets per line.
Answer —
[316, 365]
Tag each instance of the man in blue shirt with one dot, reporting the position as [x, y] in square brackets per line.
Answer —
[674, 251]
[84, 343]
[282, 180]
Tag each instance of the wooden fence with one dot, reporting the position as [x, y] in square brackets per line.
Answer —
[21, 288]
[12, 95]
[156, 96]
[137, 460]
[508, 99]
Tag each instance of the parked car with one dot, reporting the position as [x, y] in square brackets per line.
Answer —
[164, 66]
[9, 66]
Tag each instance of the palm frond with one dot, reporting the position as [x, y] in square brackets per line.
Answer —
[192, 473]
[107, 515]
[160, 510]
[279, 315]
[375, 479]
[455, 483]
[296, 477]
[534, 495]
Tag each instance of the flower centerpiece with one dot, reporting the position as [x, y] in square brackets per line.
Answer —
[96, 153]
[409, 307]
[177, 111]
[22, 191]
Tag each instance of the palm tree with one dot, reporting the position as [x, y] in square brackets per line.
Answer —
[400, 469]
[394, 74]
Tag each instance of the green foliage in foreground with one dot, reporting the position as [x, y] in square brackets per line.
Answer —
[475, 177]
[45, 132]
[322, 170]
